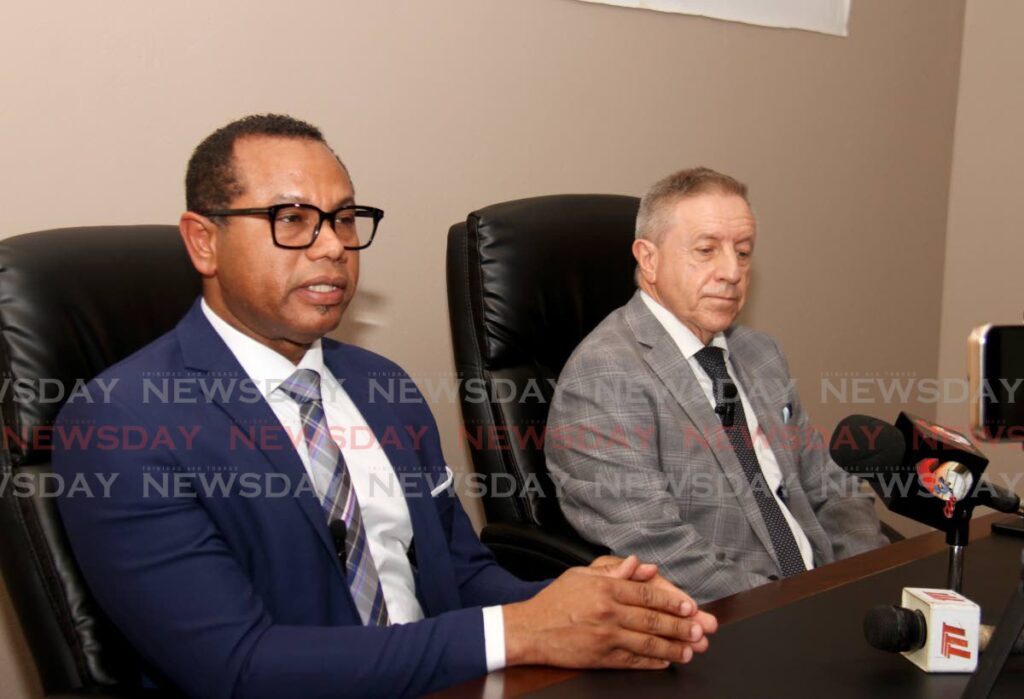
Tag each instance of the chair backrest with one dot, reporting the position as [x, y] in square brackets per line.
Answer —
[72, 302]
[527, 281]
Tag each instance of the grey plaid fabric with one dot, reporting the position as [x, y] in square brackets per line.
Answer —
[712, 361]
[340, 502]
[644, 467]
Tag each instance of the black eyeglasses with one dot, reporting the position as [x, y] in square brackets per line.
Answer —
[296, 226]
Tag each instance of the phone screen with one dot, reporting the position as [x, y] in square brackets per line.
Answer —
[997, 378]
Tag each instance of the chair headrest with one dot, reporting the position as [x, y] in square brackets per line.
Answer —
[545, 271]
[73, 302]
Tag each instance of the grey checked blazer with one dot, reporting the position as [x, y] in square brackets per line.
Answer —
[643, 466]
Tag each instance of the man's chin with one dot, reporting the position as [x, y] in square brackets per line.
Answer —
[719, 323]
[317, 320]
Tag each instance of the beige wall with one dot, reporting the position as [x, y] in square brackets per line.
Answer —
[443, 106]
[985, 243]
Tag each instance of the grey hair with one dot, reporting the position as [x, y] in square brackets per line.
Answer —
[656, 205]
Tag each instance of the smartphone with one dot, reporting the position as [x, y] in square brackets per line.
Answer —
[996, 378]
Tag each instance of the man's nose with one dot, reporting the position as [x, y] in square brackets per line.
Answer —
[729, 268]
[327, 244]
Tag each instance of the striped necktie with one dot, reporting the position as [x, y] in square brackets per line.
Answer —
[340, 503]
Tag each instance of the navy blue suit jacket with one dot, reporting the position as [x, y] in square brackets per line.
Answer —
[212, 555]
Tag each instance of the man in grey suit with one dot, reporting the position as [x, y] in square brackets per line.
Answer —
[678, 435]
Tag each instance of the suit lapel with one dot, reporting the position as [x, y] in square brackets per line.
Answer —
[671, 367]
[203, 350]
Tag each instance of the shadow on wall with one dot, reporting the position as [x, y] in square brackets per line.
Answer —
[361, 317]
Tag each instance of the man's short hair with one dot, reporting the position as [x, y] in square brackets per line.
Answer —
[211, 181]
[656, 205]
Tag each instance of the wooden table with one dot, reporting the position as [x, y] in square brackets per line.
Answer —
[519, 681]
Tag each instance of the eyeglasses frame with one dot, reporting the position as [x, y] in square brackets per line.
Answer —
[271, 213]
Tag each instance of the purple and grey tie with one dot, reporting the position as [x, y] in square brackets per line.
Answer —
[340, 503]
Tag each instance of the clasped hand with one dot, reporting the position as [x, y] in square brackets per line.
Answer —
[616, 613]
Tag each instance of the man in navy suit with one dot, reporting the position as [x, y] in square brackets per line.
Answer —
[284, 531]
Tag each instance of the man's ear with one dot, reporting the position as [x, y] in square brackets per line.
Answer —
[199, 235]
[646, 254]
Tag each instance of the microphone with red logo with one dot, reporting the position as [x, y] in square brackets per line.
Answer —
[920, 470]
[874, 449]
[896, 629]
[937, 630]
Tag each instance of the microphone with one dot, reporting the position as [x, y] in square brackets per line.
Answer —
[929, 480]
[896, 629]
[907, 481]
[338, 533]
[725, 402]
[937, 630]
[999, 499]
[866, 446]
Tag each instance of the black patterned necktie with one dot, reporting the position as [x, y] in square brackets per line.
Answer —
[712, 360]
[340, 503]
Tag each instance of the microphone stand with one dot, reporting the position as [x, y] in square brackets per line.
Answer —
[955, 574]
[957, 537]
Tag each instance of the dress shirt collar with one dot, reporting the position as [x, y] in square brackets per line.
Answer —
[267, 368]
[688, 343]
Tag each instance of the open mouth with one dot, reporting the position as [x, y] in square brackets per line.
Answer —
[324, 293]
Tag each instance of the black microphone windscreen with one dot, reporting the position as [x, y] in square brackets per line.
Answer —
[895, 629]
[338, 533]
[862, 444]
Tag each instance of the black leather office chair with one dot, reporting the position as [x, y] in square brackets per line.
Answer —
[527, 281]
[72, 302]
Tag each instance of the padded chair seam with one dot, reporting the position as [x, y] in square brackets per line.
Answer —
[51, 585]
[27, 521]
[8, 415]
[473, 238]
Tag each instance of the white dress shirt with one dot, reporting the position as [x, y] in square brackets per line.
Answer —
[689, 344]
[385, 512]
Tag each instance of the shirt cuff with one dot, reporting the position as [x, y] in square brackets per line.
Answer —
[494, 638]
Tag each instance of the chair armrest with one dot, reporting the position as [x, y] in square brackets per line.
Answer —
[532, 553]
